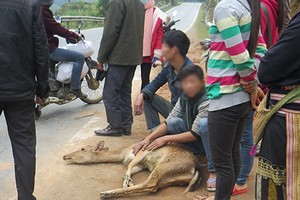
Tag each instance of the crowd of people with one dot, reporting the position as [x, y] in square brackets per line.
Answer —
[251, 93]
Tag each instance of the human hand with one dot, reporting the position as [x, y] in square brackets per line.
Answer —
[157, 143]
[139, 104]
[141, 146]
[39, 100]
[100, 66]
[248, 87]
[156, 62]
[257, 96]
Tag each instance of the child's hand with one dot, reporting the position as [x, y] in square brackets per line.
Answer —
[159, 142]
[141, 146]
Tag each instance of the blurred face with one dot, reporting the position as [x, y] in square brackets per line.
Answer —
[169, 53]
[192, 85]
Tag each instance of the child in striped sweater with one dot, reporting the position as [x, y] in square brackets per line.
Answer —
[236, 50]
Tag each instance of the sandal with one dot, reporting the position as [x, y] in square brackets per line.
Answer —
[212, 183]
[238, 192]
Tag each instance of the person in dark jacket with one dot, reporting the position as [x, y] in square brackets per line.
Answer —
[175, 47]
[122, 48]
[23, 75]
[278, 166]
[63, 55]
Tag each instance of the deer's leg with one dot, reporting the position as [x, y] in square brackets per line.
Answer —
[132, 169]
[150, 185]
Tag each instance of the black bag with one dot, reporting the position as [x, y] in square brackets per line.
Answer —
[100, 75]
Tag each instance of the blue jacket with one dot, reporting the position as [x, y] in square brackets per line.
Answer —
[167, 75]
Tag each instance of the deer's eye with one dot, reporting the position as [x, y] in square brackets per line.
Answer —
[82, 149]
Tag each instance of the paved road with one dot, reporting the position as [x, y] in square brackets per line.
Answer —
[59, 123]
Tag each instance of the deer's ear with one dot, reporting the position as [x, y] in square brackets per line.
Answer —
[99, 146]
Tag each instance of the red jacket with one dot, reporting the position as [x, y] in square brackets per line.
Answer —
[54, 28]
[272, 7]
[156, 44]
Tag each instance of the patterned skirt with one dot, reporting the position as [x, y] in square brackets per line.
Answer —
[278, 173]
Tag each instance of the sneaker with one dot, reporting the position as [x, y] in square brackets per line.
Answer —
[110, 131]
[78, 93]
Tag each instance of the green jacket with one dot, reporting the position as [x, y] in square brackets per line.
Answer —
[191, 111]
[122, 40]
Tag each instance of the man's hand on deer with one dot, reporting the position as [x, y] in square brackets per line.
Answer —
[142, 145]
[157, 143]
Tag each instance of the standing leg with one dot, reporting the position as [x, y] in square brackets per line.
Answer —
[125, 100]
[223, 127]
[155, 106]
[112, 94]
[145, 74]
[236, 156]
[246, 159]
[21, 127]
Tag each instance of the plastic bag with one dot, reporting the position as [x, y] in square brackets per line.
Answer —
[65, 72]
[84, 47]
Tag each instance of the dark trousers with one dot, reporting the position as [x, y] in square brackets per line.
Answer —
[145, 73]
[225, 128]
[21, 128]
[117, 95]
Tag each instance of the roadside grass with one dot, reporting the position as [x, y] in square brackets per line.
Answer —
[196, 33]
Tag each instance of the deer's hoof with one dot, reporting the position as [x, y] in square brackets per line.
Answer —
[128, 182]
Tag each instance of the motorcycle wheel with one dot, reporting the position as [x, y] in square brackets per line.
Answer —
[91, 87]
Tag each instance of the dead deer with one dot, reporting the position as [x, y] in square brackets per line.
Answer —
[171, 165]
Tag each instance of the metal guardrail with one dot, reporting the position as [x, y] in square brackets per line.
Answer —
[81, 18]
[90, 18]
[165, 6]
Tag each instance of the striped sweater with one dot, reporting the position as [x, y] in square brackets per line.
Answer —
[229, 59]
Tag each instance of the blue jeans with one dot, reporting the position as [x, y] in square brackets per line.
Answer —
[155, 106]
[246, 146]
[64, 55]
[177, 126]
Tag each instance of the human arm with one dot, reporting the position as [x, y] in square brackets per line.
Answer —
[112, 28]
[160, 131]
[227, 20]
[57, 28]
[178, 138]
[282, 59]
[158, 82]
[41, 54]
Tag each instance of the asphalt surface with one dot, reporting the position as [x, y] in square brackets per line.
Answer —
[59, 124]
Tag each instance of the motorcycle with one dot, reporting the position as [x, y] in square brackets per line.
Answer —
[168, 27]
[59, 90]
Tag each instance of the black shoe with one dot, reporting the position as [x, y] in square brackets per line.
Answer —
[78, 93]
[110, 131]
[127, 131]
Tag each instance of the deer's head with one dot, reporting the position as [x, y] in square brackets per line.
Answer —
[86, 155]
